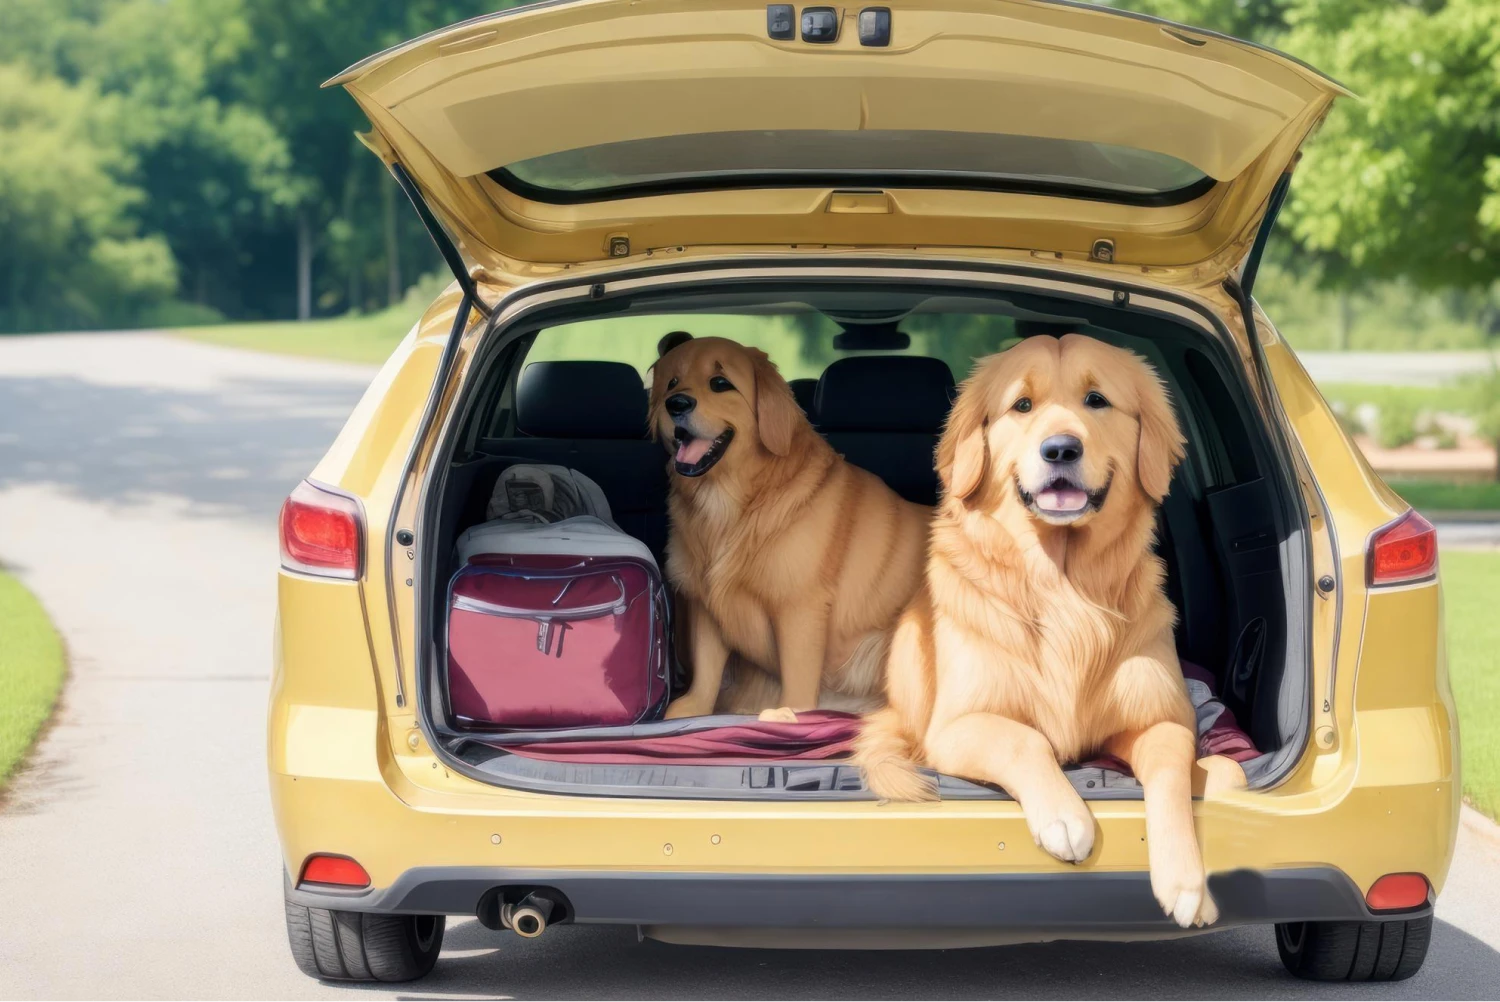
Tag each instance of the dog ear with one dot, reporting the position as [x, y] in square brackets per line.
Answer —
[670, 341]
[776, 410]
[1162, 446]
[653, 404]
[659, 380]
[963, 453]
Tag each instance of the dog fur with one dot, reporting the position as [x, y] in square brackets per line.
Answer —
[789, 559]
[1044, 636]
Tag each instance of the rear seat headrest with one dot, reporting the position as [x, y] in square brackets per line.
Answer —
[885, 393]
[581, 400]
[806, 392]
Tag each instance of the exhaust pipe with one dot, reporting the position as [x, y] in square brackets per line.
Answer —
[529, 917]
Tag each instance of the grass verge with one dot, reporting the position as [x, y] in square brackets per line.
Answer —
[1415, 398]
[31, 671]
[369, 337]
[1437, 495]
[1471, 579]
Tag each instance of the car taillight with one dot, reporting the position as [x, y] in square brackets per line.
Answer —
[321, 532]
[1401, 551]
[339, 871]
[1397, 892]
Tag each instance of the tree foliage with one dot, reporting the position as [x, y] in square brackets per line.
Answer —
[1402, 182]
[161, 150]
[72, 242]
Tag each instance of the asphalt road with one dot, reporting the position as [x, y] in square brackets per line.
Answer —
[139, 479]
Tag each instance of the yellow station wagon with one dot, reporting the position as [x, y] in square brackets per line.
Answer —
[901, 182]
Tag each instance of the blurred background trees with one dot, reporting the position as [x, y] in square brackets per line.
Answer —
[173, 161]
[1391, 236]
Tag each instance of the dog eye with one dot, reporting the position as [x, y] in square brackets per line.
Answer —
[1096, 400]
[720, 385]
[672, 383]
[1023, 405]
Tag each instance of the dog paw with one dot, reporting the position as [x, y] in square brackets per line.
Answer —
[1214, 774]
[780, 715]
[1065, 832]
[684, 707]
[1184, 898]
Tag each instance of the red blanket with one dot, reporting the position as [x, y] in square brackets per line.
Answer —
[821, 735]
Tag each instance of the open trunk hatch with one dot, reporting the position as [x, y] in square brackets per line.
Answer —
[569, 132]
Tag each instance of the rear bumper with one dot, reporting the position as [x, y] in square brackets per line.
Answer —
[1044, 905]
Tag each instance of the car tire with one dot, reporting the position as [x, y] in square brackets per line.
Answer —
[1392, 950]
[358, 946]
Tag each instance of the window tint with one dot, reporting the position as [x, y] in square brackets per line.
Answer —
[872, 157]
[801, 344]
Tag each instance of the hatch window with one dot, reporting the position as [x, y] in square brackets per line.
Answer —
[875, 158]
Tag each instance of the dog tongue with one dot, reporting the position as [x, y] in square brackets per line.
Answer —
[1062, 499]
[692, 450]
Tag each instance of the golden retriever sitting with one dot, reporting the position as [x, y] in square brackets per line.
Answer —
[788, 556]
[1043, 635]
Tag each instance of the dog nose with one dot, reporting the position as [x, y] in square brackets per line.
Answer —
[1057, 449]
[679, 404]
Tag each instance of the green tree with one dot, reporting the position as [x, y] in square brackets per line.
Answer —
[72, 254]
[345, 208]
[222, 148]
[1405, 181]
[217, 175]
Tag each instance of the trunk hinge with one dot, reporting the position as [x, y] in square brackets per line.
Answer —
[440, 237]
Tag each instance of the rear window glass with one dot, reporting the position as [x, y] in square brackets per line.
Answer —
[873, 157]
[800, 344]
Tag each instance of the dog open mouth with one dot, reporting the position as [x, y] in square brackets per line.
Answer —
[1063, 499]
[696, 456]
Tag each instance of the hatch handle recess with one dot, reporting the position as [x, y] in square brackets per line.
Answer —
[440, 237]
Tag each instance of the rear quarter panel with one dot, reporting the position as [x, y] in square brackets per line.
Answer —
[333, 715]
[1387, 722]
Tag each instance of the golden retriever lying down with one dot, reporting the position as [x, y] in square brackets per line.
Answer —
[1043, 635]
[789, 557]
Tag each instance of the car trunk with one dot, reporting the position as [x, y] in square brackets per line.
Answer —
[1232, 530]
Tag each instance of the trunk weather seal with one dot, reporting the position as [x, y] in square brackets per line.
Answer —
[991, 277]
[852, 181]
[429, 410]
[1283, 448]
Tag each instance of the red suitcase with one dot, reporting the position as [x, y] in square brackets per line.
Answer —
[560, 625]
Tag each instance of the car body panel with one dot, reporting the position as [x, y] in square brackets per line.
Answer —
[539, 80]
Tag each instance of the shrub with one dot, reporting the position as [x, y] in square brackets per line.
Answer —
[176, 313]
[1348, 419]
[1397, 424]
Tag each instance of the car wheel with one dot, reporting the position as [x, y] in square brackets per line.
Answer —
[358, 946]
[1392, 950]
